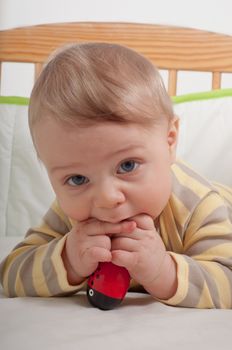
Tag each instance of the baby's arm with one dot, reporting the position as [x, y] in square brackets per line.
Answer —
[35, 266]
[56, 258]
[204, 270]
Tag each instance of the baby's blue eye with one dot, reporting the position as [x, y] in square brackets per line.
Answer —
[127, 166]
[77, 180]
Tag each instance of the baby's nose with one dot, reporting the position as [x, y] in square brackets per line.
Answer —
[109, 196]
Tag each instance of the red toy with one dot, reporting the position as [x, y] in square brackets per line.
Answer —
[107, 286]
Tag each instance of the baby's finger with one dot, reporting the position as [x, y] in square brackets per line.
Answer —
[144, 221]
[96, 254]
[136, 234]
[101, 227]
[124, 258]
[125, 243]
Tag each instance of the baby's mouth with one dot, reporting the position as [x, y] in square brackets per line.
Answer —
[117, 221]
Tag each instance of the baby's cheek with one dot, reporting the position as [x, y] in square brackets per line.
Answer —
[155, 198]
[73, 209]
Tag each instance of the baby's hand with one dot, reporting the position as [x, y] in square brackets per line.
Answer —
[89, 243]
[142, 252]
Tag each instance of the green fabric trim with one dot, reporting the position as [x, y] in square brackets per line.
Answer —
[197, 96]
[14, 100]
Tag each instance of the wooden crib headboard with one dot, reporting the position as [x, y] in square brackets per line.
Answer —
[170, 48]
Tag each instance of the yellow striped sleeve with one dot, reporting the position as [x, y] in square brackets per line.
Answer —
[35, 266]
[201, 241]
[182, 280]
[222, 284]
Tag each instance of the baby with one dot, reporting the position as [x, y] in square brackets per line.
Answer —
[103, 126]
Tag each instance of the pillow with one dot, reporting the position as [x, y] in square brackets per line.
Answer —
[25, 190]
[204, 142]
[205, 139]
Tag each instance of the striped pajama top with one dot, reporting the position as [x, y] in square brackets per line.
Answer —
[195, 226]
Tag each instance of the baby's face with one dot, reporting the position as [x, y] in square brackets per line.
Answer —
[109, 171]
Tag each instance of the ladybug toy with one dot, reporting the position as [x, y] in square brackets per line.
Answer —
[107, 286]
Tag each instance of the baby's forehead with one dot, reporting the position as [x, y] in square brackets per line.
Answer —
[80, 124]
[52, 128]
[96, 135]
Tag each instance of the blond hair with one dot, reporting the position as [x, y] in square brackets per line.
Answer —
[98, 82]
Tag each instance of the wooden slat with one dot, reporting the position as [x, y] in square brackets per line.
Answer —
[38, 69]
[172, 82]
[216, 81]
[168, 47]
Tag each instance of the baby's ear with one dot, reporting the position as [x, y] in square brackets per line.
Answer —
[172, 137]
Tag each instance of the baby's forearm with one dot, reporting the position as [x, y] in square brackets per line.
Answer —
[36, 270]
[165, 285]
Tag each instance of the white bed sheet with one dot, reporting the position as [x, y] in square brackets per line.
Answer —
[139, 323]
